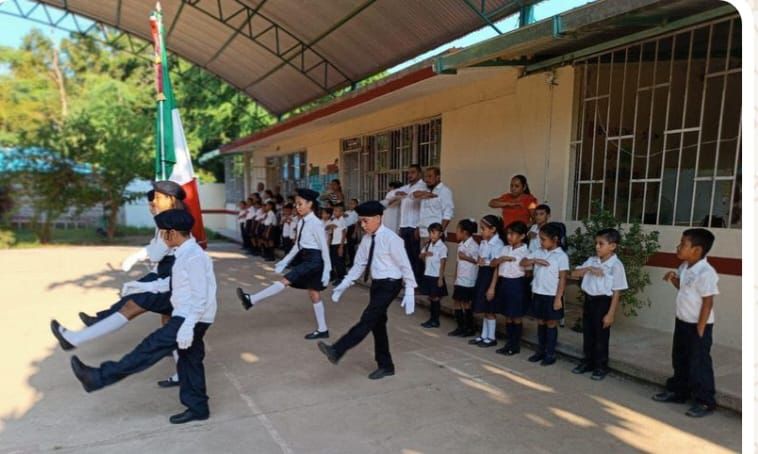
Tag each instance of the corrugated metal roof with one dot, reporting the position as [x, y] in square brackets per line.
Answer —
[285, 53]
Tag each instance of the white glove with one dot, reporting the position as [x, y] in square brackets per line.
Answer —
[132, 287]
[325, 277]
[409, 302]
[129, 262]
[185, 335]
[279, 267]
[337, 293]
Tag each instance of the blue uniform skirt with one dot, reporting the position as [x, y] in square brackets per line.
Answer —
[464, 294]
[306, 270]
[430, 288]
[510, 295]
[543, 307]
[483, 281]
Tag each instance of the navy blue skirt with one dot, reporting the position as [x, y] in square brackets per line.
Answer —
[464, 294]
[543, 307]
[429, 287]
[306, 270]
[510, 295]
[483, 281]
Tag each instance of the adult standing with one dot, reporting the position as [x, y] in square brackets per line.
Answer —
[409, 212]
[518, 204]
[436, 203]
[334, 195]
[391, 202]
[261, 190]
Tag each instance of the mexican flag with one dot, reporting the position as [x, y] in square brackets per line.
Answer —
[172, 158]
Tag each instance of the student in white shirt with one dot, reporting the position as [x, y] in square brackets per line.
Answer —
[391, 202]
[465, 278]
[508, 287]
[491, 227]
[382, 257]
[353, 230]
[337, 228]
[603, 280]
[258, 228]
[541, 217]
[310, 262]
[436, 202]
[288, 226]
[269, 230]
[241, 217]
[193, 298]
[434, 255]
[697, 285]
[409, 211]
[551, 265]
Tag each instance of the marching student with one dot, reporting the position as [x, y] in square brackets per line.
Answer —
[193, 298]
[697, 285]
[551, 267]
[508, 287]
[433, 283]
[381, 255]
[288, 226]
[465, 278]
[603, 280]
[310, 262]
[337, 228]
[489, 249]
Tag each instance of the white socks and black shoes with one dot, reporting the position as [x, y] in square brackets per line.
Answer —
[71, 339]
[322, 332]
[249, 300]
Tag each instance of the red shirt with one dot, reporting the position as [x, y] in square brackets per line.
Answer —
[521, 213]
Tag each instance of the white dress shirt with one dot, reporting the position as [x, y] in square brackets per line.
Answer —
[251, 212]
[490, 249]
[409, 207]
[512, 269]
[192, 284]
[294, 226]
[391, 216]
[242, 215]
[613, 278]
[269, 219]
[534, 243]
[546, 278]
[695, 283]
[311, 235]
[339, 230]
[288, 225]
[260, 215]
[435, 209]
[433, 263]
[390, 261]
[465, 274]
[351, 217]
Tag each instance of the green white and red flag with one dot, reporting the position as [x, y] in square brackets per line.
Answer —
[172, 157]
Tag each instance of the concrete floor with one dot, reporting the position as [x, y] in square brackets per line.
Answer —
[271, 391]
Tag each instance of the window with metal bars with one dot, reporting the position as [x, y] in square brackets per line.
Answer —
[658, 133]
[370, 163]
[287, 171]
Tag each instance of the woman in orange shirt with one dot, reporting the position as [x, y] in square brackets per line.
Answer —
[517, 205]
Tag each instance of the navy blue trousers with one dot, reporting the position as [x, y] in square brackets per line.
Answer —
[156, 346]
[693, 368]
[160, 303]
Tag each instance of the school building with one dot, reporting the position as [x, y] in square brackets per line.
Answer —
[634, 105]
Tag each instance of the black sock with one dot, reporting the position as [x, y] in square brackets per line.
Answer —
[552, 339]
[435, 311]
[459, 318]
[468, 319]
[508, 334]
[541, 337]
[516, 343]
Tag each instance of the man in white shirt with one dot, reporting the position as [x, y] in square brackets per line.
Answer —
[436, 203]
[391, 202]
[193, 297]
[337, 226]
[409, 210]
[382, 256]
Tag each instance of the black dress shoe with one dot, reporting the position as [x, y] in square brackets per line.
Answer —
[186, 416]
[475, 341]
[547, 361]
[512, 351]
[599, 374]
[329, 351]
[582, 368]
[431, 324]
[317, 335]
[503, 351]
[88, 320]
[699, 410]
[457, 332]
[86, 375]
[381, 373]
[536, 357]
[168, 383]
[244, 299]
[55, 327]
[669, 396]
[487, 343]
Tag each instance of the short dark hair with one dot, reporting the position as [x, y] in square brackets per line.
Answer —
[271, 204]
[552, 230]
[435, 227]
[610, 235]
[517, 227]
[435, 170]
[468, 225]
[701, 238]
[396, 184]
[415, 166]
[339, 205]
[288, 206]
[326, 210]
[543, 207]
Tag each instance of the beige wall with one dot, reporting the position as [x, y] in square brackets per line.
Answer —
[504, 125]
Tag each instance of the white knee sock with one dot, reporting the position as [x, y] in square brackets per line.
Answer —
[485, 329]
[491, 329]
[175, 377]
[109, 324]
[318, 309]
[271, 290]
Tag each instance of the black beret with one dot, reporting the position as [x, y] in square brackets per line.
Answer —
[175, 220]
[308, 194]
[151, 195]
[169, 188]
[370, 208]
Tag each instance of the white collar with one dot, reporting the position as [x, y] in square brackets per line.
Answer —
[185, 247]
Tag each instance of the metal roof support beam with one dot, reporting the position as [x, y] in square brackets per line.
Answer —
[526, 15]
[482, 15]
[639, 36]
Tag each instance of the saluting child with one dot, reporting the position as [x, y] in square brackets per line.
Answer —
[509, 287]
[603, 280]
[465, 278]
[551, 265]
[433, 283]
[489, 249]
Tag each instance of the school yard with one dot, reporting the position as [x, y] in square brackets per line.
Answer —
[271, 391]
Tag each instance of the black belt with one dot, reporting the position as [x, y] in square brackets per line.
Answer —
[388, 280]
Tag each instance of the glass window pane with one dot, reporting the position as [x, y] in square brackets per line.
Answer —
[663, 66]
[604, 66]
[658, 127]
[668, 189]
[702, 202]
[719, 41]
[735, 53]
[651, 204]
[695, 81]
[636, 207]
[678, 80]
[642, 133]
[583, 199]
[648, 56]
[630, 87]
[624, 175]
[598, 170]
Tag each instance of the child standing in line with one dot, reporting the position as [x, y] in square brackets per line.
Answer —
[541, 217]
[551, 267]
[268, 230]
[508, 287]
[353, 230]
[288, 225]
[338, 231]
[603, 280]
[465, 278]
[697, 285]
[489, 249]
[241, 215]
[433, 284]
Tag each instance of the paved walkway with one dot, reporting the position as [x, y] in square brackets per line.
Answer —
[271, 391]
